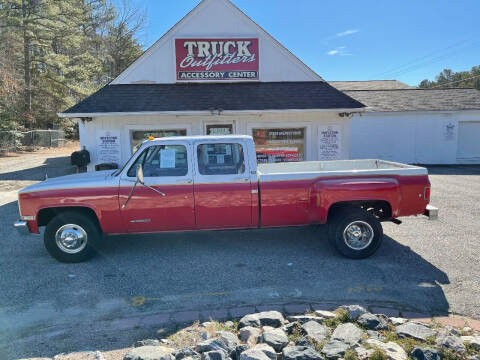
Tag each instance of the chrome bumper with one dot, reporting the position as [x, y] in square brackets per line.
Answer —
[21, 227]
[431, 212]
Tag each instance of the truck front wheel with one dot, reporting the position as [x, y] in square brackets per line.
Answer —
[70, 236]
[355, 233]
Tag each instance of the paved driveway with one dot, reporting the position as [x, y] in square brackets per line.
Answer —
[425, 266]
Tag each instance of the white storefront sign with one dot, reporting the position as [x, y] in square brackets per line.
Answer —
[330, 142]
[108, 146]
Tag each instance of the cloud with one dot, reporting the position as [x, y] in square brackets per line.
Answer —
[341, 51]
[347, 32]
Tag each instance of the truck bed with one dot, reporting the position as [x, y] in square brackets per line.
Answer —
[313, 169]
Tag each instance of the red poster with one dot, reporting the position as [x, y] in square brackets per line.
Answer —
[217, 59]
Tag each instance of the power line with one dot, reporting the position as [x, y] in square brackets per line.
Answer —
[453, 82]
[437, 55]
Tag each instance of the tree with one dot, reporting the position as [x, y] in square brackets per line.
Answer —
[447, 78]
[59, 52]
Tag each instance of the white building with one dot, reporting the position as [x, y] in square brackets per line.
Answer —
[216, 71]
[411, 125]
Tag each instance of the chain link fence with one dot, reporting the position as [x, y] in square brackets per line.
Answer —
[11, 140]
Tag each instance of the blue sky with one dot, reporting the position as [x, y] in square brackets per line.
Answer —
[408, 40]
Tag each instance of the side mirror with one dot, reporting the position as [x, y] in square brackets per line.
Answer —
[140, 174]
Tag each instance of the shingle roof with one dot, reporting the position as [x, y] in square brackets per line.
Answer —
[226, 96]
[370, 85]
[418, 99]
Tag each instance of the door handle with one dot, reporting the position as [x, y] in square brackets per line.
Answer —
[242, 179]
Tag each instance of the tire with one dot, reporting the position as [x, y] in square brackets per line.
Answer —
[81, 233]
[355, 233]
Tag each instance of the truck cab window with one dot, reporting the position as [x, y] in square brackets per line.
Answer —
[162, 160]
[220, 159]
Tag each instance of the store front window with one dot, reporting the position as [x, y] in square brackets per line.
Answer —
[139, 136]
[279, 144]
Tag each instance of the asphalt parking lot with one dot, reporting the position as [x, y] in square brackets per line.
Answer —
[425, 266]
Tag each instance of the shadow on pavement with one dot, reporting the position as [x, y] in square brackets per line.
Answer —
[53, 167]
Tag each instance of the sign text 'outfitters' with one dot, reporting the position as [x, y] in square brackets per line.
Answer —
[217, 59]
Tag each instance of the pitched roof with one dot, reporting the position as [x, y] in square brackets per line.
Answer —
[418, 99]
[204, 97]
[370, 85]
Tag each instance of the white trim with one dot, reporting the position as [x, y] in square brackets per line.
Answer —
[368, 111]
[205, 112]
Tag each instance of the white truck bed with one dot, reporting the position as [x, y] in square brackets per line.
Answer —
[313, 169]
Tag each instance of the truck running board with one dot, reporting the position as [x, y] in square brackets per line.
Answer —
[396, 221]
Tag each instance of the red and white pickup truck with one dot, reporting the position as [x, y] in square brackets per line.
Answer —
[214, 182]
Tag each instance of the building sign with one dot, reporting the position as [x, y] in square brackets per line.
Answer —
[108, 146]
[449, 132]
[217, 59]
[217, 129]
[330, 139]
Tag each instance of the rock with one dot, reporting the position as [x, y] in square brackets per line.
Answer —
[335, 349]
[147, 342]
[355, 311]
[391, 349]
[474, 357]
[149, 353]
[300, 353]
[326, 314]
[372, 322]
[375, 335]
[229, 324]
[249, 334]
[229, 339]
[362, 353]
[419, 353]
[267, 350]
[397, 320]
[303, 342]
[315, 331]
[451, 342]
[214, 355]
[347, 333]
[474, 341]
[265, 318]
[185, 353]
[290, 327]
[240, 349]
[302, 319]
[415, 330]
[467, 329]
[276, 338]
[253, 354]
[213, 344]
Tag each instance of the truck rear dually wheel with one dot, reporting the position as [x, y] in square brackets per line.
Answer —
[355, 233]
[70, 237]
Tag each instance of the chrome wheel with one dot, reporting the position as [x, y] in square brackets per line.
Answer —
[358, 235]
[71, 238]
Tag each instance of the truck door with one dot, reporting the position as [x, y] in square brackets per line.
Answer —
[167, 168]
[223, 197]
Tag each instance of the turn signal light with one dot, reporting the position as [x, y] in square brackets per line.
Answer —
[427, 193]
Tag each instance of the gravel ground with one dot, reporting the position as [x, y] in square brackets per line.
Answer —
[427, 266]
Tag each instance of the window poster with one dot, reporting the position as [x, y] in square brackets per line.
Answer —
[108, 146]
[330, 142]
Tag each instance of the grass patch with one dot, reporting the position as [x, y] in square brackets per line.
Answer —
[470, 349]
[350, 355]
[378, 355]
[296, 333]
